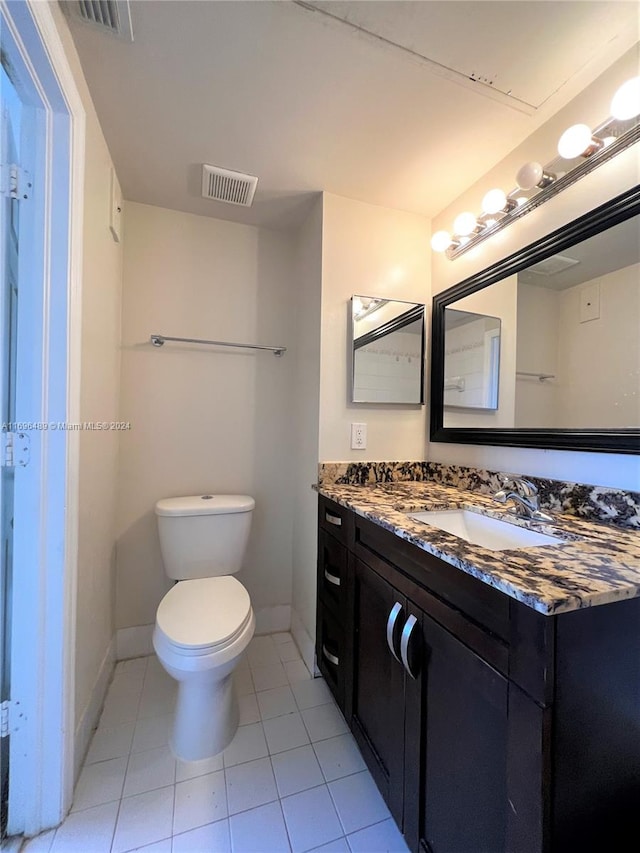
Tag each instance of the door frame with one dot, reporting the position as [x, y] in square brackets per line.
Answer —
[42, 711]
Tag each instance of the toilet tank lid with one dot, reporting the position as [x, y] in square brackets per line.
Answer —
[205, 505]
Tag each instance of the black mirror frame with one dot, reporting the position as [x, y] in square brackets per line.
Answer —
[607, 215]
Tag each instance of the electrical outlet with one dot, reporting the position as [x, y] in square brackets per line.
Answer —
[358, 436]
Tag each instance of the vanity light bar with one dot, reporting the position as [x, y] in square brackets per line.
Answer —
[580, 151]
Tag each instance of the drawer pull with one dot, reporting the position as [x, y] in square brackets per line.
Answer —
[334, 579]
[333, 519]
[409, 625]
[331, 658]
[395, 611]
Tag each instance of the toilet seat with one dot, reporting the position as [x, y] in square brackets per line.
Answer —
[198, 617]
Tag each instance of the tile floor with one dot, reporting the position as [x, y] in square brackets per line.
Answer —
[291, 780]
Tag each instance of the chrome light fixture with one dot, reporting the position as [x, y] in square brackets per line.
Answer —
[580, 151]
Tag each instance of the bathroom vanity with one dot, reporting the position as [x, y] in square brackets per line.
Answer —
[495, 694]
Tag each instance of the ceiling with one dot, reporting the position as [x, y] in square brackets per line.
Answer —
[614, 249]
[368, 100]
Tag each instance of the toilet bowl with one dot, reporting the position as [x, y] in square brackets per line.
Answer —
[205, 622]
[202, 628]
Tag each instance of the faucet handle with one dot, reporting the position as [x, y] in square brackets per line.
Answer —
[521, 485]
[508, 483]
[526, 487]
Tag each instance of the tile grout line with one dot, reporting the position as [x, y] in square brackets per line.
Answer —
[277, 798]
[284, 820]
[126, 769]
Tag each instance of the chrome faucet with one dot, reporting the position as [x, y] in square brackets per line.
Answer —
[524, 495]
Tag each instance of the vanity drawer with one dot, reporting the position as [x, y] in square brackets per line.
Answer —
[335, 519]
[332, 574]
[331, 654]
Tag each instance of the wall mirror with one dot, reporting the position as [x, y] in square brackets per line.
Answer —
[566, 315]
[388, 348]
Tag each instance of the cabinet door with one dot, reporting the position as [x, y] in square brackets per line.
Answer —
[378, 682]
[456, 747]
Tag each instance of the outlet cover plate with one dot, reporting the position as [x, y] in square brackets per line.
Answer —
[358, 436]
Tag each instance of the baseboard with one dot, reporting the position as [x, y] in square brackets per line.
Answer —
[272, 620]
[134, 642]
[91, 714]
[304, 642]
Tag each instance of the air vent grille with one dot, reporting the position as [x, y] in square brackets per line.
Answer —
[227, 186]
[553, 265]
[103, 12]
[112, 16]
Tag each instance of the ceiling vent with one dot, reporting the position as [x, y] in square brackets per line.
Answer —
[553, 265]
[229, 187]
[111, 16]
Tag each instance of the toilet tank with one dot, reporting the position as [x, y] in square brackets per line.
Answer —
[203, 536]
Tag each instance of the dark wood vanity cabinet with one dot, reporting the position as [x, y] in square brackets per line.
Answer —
[333, 638]
[488, 727]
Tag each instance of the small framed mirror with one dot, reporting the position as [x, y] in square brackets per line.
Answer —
[471, 360]
[388, 348]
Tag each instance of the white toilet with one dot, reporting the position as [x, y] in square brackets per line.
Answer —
[205, 621]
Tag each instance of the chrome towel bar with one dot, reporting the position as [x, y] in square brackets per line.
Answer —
[159, 340]
[540, 376]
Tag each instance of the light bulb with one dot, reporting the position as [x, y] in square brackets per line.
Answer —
[575, 141]
[464, 224]
[494, 201]
[626, 101]
[528, 175]
[440, 241]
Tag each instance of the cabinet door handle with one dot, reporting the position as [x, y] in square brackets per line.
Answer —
[395, 611]
[334, 659]
[334, 579]
[409, 625]
[333, 519]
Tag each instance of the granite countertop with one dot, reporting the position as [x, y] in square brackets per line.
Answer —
[595, 563]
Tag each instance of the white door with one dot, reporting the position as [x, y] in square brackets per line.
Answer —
[9, 238]
[40, 345]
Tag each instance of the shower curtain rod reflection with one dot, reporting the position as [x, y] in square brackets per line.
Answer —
[159, 340]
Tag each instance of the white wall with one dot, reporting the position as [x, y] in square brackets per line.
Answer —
[601, 356]
[596, 363]
[591, 107]
[100, 385]
[205, 419]
[537, 352]
[306, 414]
[345, 247]
[371, 251]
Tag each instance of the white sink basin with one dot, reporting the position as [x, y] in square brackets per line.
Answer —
[483, 530]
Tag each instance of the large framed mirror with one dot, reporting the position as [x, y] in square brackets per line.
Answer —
[387, 350]
[568, 317]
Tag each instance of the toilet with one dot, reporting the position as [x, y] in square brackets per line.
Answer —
[205, 621]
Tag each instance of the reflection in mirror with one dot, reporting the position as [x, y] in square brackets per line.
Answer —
[578, 335]
[471, 360]
[570, 343]
[388, 350]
